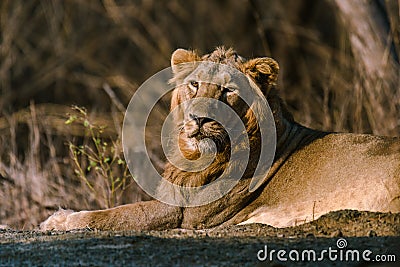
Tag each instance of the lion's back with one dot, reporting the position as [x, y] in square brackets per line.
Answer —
[337, 171]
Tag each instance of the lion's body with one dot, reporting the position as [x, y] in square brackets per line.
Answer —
[313, 172]
[337, 171]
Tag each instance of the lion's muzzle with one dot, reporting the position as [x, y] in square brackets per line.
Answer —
[198, 126]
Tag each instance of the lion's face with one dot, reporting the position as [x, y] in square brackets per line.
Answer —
[197, 92]
[202, 90]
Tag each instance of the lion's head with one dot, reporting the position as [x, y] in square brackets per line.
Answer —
[196, 77]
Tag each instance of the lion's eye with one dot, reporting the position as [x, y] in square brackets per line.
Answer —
[227, 90]
[194, 85]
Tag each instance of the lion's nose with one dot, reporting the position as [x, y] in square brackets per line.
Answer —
[200, 121]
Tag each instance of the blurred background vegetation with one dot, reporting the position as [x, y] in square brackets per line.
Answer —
[339, 72]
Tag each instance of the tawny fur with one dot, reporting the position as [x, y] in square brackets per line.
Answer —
[313, 172]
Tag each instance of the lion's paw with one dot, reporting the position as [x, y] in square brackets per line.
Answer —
[57, 221]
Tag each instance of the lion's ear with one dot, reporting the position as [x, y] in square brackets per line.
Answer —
[263, 70]
[182, 56]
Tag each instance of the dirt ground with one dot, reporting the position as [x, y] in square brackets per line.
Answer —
[343, 234]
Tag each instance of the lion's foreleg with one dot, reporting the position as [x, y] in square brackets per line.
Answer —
[149, 215]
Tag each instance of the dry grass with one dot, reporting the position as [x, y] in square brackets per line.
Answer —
[40, 178]
[96, 53]
[99, 161]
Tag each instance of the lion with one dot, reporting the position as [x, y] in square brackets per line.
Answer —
[313, 172]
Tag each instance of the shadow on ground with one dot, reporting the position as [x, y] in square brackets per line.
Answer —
[358, 232]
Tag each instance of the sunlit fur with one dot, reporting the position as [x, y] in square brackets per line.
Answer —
[313, 172]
